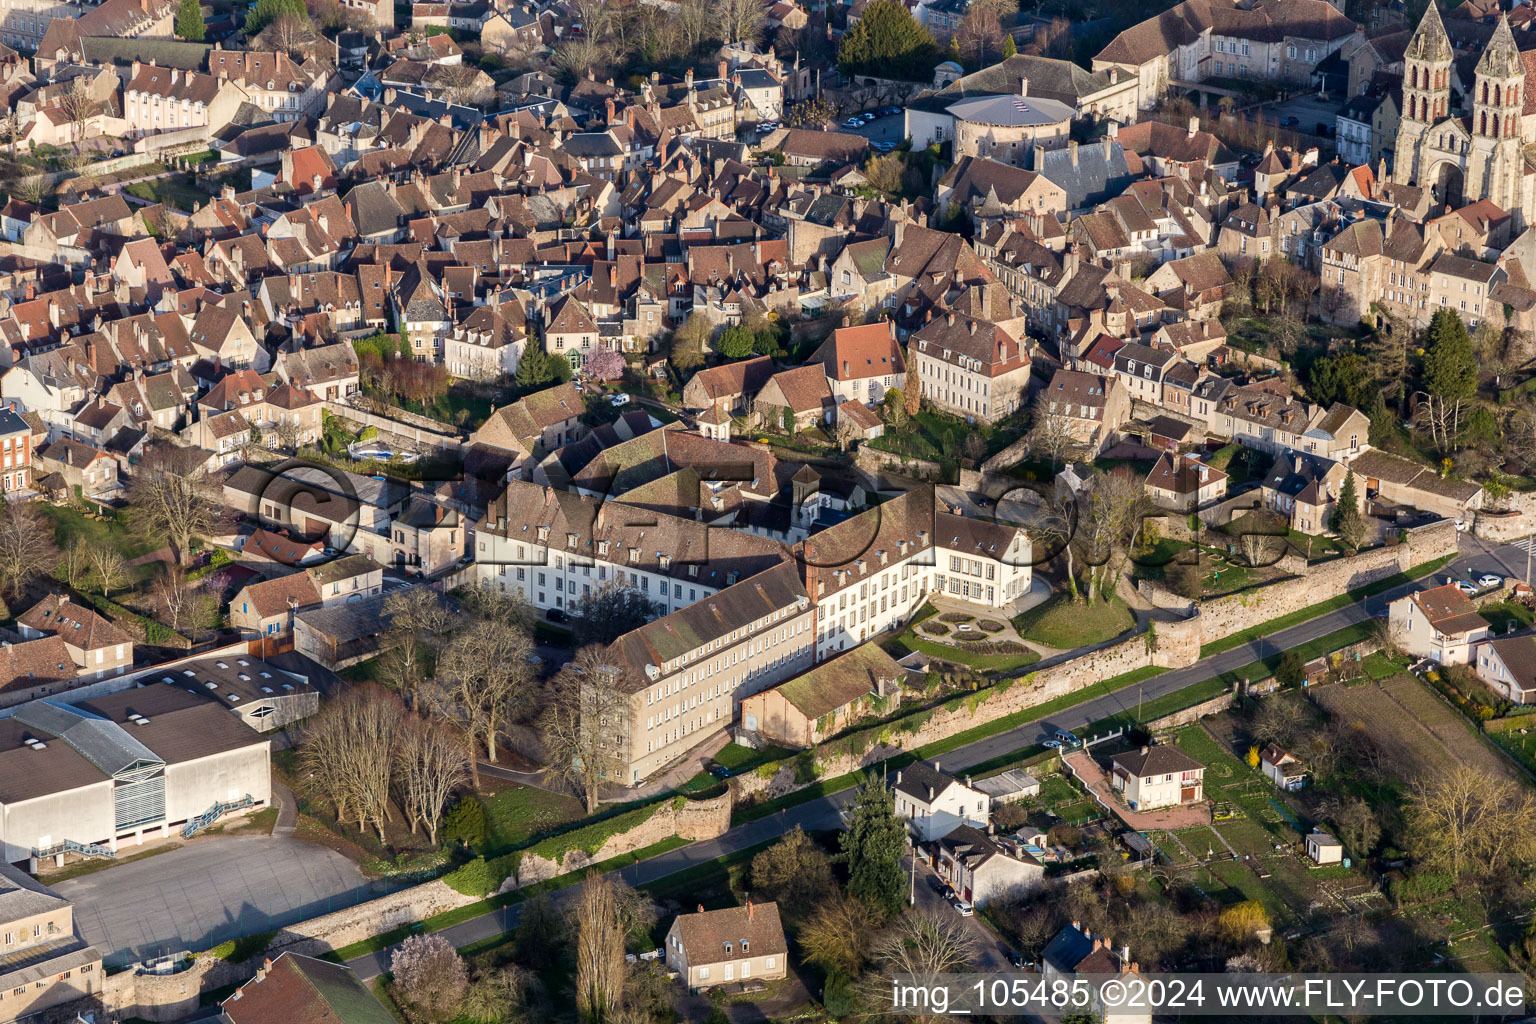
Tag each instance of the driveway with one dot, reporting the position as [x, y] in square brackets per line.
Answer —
[198, 896]
[991, 950]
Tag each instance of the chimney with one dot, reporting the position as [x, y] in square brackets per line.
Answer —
[1072, 149]
[949, 318]
[1194, 125]
[898, 778]
[722, 71]
[688, 78]
[1023, 87]
[935, 766]
[1143, 751]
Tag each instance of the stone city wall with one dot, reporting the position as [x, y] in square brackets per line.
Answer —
[693, 820]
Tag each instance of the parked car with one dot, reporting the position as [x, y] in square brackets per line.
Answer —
[889, 111]
[883, 147]
[719, 771]
[853, 122]
[1052, 744]
[963, 908]
[1289, 122]
[1066, 737]
[555, 615]
[620, 399]
[1466, 588]
[1490, 580]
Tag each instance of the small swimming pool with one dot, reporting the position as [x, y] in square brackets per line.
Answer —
[382, 454]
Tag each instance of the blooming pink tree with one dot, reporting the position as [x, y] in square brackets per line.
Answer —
[604, 364]
[430, 976]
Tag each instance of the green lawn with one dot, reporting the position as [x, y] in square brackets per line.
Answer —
[69, 523]
[739, 758]
[175, 191]
[1065, 624]
[908, 641]
[517, 814]
[1506, 615]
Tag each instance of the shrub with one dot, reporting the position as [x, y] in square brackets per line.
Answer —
[471, 879]
[990, 625]
[465, 824]
[957, 617]
[805, 767]
[936, 628]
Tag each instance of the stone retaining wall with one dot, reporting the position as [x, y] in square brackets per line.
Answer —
[694, 820]
[1179, 719]
[1174, 645]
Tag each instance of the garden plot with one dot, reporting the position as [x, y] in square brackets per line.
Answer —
[1425, 737]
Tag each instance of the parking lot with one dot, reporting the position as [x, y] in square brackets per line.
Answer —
[1309, 109]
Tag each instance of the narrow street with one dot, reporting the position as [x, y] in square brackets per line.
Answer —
[823, 813]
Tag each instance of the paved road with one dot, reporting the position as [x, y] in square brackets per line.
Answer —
[822, 813]
[200, 895]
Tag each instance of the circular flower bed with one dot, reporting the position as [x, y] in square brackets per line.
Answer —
[990, 625]
[972, 636]
[957, 617]
[936, 628]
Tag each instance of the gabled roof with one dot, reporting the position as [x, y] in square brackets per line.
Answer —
[303, 990]
[841, 681]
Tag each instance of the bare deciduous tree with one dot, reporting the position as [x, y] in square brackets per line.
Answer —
[1462, 821]
[26, 546]
[74, 564]
[924, 943]
[980, 35]
[185, 605]
[109, 568]
[599, 936]
[347, 758]
[1106, 527]
[418, 620]
[1051, 435]
[739, 21]
[78, 108]
[836, 937]
[482, 673]
[173, 497]
[588, 712]
[430, 765]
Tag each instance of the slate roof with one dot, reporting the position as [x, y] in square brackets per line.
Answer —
[1163, 759]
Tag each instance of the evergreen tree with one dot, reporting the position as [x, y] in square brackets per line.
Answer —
[264, 12]
[887, 41]
[189, 21]
[1010, 48]
[1450, 378]
[1450, 365]
[1346, 521]
[735, 342]
[534, 368]
[873, 847]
